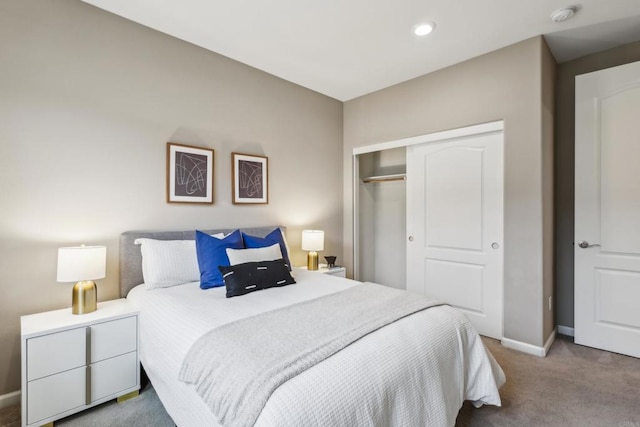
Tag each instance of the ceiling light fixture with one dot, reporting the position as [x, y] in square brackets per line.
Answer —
[563, 14]
[423, 29]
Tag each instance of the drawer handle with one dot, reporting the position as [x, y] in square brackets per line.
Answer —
[88, 367]
[87, 396]
[88, 346]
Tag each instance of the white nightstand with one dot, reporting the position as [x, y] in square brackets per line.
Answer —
[335, 271]
[72, 362]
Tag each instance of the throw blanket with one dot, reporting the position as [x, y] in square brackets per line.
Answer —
[237, 366]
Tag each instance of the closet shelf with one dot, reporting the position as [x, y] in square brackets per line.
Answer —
[385, 178]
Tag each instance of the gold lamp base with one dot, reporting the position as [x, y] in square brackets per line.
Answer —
[312, 260]
[84, 297]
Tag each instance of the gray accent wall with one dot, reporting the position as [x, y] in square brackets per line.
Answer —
[564, 165]
[512, 84]
[88, 101]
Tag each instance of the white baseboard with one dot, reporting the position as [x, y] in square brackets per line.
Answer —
[565, 330]
[9, 399]
[529, 348]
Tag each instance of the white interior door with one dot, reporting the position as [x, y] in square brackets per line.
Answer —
[455, 225]
[607, 210]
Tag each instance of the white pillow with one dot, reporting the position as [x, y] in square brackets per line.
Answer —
[240, 256]
[168, 263]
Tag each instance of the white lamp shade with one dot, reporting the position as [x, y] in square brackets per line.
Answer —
[79, 263]
[312, 240]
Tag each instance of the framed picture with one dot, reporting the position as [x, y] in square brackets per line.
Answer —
[250, 179]
[189, 174]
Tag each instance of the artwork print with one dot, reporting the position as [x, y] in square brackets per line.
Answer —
[249, 179]
[189, 174]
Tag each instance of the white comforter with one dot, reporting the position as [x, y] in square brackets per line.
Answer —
[414, 372]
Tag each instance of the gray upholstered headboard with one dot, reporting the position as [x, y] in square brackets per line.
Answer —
[131, 258]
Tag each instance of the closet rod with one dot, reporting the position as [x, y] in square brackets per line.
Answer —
[385, 178]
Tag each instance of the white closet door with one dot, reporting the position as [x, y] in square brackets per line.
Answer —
[607, 210]
[455, 226]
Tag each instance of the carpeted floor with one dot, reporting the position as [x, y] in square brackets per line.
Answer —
[144, 410]
[572, 386]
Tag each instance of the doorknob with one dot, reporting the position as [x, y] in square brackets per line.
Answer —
[584, 244]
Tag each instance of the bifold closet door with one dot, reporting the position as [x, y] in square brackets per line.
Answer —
[455, 225]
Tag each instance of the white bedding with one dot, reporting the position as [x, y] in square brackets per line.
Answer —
[416, 371]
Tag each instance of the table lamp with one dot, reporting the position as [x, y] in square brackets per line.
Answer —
[312, 241]
[82, 264]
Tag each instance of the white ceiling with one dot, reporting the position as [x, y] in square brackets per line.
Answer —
[348, 48]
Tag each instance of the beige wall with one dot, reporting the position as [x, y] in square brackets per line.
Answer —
[548, 110]
[564, 165]
[88, 102]
[506, 84]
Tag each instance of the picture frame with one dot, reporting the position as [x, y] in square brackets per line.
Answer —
[250, 179]
[189, 174]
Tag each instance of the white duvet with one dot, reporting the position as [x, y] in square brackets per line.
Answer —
[414, 372]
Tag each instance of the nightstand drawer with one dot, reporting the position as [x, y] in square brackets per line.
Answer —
[113, 375]
[57, 352]
[114, 338]
[56, 394]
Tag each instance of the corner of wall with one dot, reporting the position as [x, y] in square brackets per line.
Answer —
[529, 348]
[548, 86]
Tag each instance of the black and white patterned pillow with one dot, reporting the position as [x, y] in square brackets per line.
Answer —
[249, 277]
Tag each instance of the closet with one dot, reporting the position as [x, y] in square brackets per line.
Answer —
[428, 218]
[382, 207]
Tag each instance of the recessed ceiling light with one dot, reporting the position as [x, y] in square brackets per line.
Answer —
[563, 14]
[424, 28]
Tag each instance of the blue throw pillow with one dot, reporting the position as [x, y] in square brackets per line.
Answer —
[212, 252]
[252, 242]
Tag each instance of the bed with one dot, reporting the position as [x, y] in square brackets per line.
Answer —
[417, 370]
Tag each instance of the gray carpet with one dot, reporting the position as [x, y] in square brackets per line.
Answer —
[572, 386]
[144, 410]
